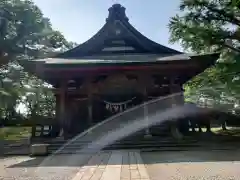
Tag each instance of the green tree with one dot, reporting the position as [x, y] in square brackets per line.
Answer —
[24, 34]
[39, 99]
[26, 31]
[206, 26]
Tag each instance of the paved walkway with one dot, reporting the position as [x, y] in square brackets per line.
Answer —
[118, 165]
[125, 165]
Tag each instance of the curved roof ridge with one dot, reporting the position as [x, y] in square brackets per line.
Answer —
[146, 39]
[117, 16]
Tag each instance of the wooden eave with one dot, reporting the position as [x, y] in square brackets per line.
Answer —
[203, 61]
[185, 67]
[146, 55]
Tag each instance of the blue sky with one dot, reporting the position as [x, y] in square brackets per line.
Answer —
[78, 20]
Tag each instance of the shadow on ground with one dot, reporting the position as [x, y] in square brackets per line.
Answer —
[55, 161]
[78, 160]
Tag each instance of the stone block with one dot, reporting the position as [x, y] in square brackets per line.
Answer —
[39, 149]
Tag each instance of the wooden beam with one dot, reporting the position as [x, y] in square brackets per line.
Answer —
[164, 67]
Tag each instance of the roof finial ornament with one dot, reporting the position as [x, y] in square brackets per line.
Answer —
[117, 12]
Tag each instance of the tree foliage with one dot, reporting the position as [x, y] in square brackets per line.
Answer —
[25, 34]
[206, 26]
[25, 31]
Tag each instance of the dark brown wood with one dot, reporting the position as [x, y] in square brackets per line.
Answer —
[172, 88]
[62, 107]
[90, 108]
[97, 70]
[143, 82]
[118, 80]
[185, 75]
[57, 113]
[174, 125]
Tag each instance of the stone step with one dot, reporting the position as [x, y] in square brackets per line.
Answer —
[112, 147]
[128, 144]
[152, 149]
[79, 143]
[132, 143]
[79, 150]
[144, 144]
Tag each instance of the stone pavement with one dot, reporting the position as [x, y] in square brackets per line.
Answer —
[118, 165]
[125, 165]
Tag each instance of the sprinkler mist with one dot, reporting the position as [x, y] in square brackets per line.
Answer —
[118, 127]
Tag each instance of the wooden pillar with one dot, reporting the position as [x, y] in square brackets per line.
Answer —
[177, 91]
[174, 125]
[56, 127]
[62, 108]
[90, 116]
[143, 82]
[147, 131]
[180, 97]
[90, 105]
[172, 91]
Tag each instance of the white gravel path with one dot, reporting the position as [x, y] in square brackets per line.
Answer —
[212, 165]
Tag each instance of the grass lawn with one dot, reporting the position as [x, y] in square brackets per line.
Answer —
[231, 131]
[14, 133]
